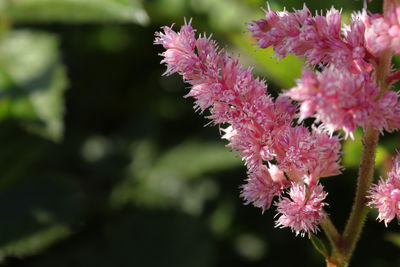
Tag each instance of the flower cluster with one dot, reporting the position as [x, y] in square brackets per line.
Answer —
[259, 127]
[342, 100]
[345, 93]
[385, 196]
[285, 160]
[318, 39]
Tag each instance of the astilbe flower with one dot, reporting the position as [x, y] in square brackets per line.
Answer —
[342, 100]
[344, 94]
[306, 156]
[263, 185]
[384, 32]
[259, 128]
[302, 212]
[317, 39]
[386, 114]
[345, 84]
[385, 196]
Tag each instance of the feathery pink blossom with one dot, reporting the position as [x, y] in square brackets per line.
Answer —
[384, 32]
[318, 39]
[339, 99]
[262, 186]
[387, 112]
[303, 211]
[308, 155]
[385, 196]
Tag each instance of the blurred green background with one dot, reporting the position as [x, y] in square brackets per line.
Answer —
[103, 163]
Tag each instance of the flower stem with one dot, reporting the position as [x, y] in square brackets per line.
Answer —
[343, 245]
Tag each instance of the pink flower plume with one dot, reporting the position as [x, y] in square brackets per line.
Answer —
[256, 125]
[318, 38]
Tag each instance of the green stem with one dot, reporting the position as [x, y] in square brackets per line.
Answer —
[359, 210]
[331, 233]
[343, 245]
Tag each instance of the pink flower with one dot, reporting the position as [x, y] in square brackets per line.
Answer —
[253, 148]
[317, 39]
[377, 36]
[303, 211]
[384, 33]
[295, 151]
[387, 112]
[385, 196]
[275, 28]
[262, 186]
[327, 154]
[306, 156]
[179, 47]
[339, 99]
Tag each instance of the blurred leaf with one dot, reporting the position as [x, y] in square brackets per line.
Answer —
[193, 158]
[352, 151]
[283, 73]
[251, 247]
[73, 11]
[223, 14]
[393, 238]
[36, 213]
[171, 179]
[222, 218]
[17, 158]
[36, 242]
[32, 82]
[381, 155]
[132, 240]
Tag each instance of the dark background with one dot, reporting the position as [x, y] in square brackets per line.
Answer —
[136, 179]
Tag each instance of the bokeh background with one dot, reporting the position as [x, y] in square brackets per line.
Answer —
[104, 163]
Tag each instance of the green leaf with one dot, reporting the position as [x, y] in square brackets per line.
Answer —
[73, 11]
[37, 212]
[173, 178]
[193, 158]
[35, 243]
[126, 239]
[32, 82]
[319, 245]
[393, 237]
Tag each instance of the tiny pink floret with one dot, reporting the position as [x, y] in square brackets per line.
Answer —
[303, 210]
[262, 186]
[385, 196]
[383, 33]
